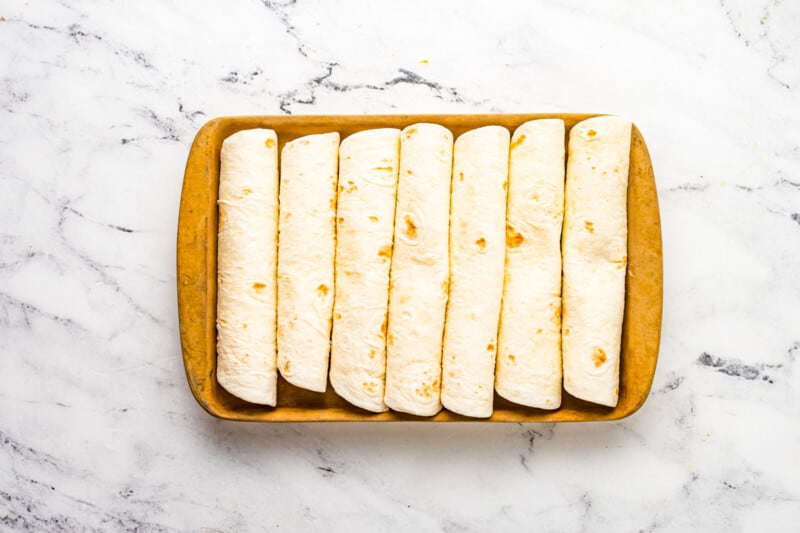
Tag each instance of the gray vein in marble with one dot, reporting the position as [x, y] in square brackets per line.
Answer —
[734, 368]
[23, 514]
[164, 124]
[793, 350]
[189, 115]
[26, 452]
[79, 36]
[109, 281]
[732, 22]
[123, 229]
[279, 8]
[99, 268]
[324, 81]
[29, 309]
[327, 467]
[689, 187]
[672, 384]
[531, 435]
[776, 57]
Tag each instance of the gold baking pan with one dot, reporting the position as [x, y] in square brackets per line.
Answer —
[197, 279]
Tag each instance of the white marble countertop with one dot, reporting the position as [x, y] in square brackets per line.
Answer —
[99, 103]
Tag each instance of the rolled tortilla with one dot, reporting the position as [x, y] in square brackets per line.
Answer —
[368, 167]
[247, 249]
[420, 270]
[529, 343]
[307, 240]
[595, 256]
[477, 251]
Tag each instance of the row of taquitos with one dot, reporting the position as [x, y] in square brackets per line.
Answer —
[437, 240]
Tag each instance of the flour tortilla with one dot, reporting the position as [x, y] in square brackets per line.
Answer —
[420, 271]
[247, 249]
[529, 343]
[306, 245]
[477, 250]
[368, 168]
[595, 257]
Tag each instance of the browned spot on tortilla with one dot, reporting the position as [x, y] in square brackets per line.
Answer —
[341, 188]
[591, 133]
[481, 243]
[512, 358]
[557, 313]
[386, 252]
[383, 328]
[390, 340]
[505, 185]
[513, 237]
[287, 366]
[337, 316]
[589, 226]
[411, 228]
[616, 169]
[616, 391]
[340, 220]
[598, 356]
[269, 143]
[322, 289]
[566, 331]
[351, 186]
[518, 141]
[244, 326]
[490, 347]
[259, 286]
[621, 262]
[410, 132]
[368, 386]
[373, 218]
[247, 190]
[387, 169]
[428, 389]
[246, 355]
[372, 353]
[445, 286]
[409, 172]
[287, 216]
[594, 167]
[332, 203]
[539, 331]
[460, 176]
